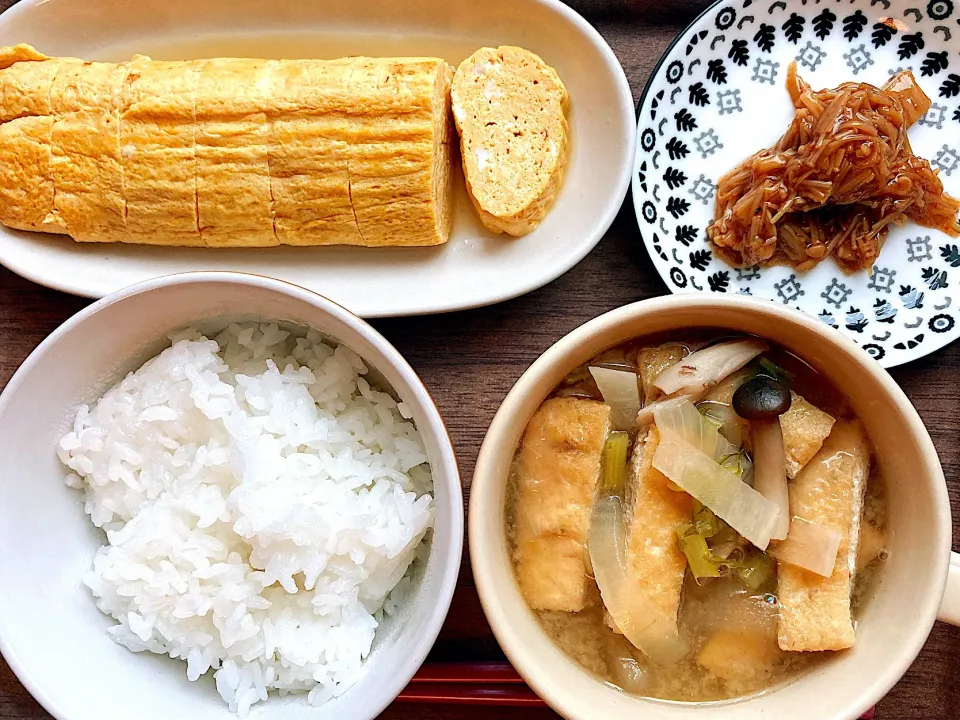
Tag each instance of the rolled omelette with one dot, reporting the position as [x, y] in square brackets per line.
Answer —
[226, 152]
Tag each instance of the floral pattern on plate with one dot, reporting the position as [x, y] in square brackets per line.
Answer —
[718, 96]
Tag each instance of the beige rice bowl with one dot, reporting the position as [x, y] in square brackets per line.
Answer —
[263, 506]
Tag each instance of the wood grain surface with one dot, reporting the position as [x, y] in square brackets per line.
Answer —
[469, 360]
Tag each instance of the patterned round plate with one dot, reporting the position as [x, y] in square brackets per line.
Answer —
[718, 95]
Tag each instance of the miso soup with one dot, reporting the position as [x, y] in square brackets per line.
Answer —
[696, 517]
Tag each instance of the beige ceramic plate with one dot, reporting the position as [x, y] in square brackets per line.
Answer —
[476, 267]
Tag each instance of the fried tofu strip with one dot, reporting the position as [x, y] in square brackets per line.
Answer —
[652, 513]
[652, 361]
[815, 611]
[227, 152]
[558, 472]
[740, 655]
[804, 428]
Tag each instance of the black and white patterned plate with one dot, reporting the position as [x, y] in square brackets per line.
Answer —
[718, 96]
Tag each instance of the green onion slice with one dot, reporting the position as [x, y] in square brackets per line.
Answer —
[705, 523]
[694, 547]
[614, 467]
[777, 372]
[755, 571]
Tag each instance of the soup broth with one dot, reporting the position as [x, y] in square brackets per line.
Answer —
[701, 627]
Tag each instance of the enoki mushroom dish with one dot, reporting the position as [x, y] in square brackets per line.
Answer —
[840, 177]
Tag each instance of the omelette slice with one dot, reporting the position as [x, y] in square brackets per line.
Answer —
[309, 167]
[232, 138]
[27, 82]
[399, 149]
[510, 109]
[26, 179]
[157, 153]
[85, 152]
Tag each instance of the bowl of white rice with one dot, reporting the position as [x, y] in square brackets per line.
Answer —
[222, 496]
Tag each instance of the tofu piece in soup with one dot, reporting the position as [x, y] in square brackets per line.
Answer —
[652, 513]
[652, 361]
[558, 472]
[739, 655]
[815, 612]
[804, 428]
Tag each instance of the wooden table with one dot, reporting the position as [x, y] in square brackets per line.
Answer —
[469, 360]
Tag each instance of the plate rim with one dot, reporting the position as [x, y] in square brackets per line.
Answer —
[903, 357]
[93, 289]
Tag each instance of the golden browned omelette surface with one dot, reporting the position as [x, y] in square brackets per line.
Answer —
[226, 152]
[510, 108]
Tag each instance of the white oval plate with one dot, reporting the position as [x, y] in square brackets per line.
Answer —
[718, 95]
[475, 267]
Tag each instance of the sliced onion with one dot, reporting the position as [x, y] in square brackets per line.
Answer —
[705, 368]
[683, 418]
[622, 664]
[648, 630]
[732, 500]
[648, 412]
[810, 546]
[731, 424]
[621, 392]
[722, 392]
[770, 470]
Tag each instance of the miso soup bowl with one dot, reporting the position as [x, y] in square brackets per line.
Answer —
[897, 617]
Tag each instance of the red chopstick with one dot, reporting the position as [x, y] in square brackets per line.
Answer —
[482, 683]
[481, 673]
[446, 693]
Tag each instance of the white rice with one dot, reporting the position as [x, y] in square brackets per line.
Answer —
[260, 502]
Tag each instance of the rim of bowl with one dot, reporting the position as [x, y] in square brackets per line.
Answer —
[452, 555]
[486, 486]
